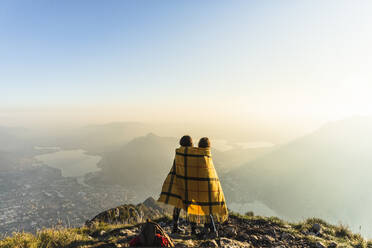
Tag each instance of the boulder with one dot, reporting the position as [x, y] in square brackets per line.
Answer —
[319, 244]
[230, 231]
[269, 239]
[243, 236]
[254, 238]
[332, 245]
[209, 243]
[230, 243]
[181, 245]
[126, 232]
[316, 228]
[287, 236]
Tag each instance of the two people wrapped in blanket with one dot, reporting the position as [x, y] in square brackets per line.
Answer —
[193, 185]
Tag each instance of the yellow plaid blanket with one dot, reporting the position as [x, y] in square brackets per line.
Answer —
[193, 185]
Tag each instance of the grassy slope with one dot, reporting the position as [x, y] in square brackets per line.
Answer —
[105, 235]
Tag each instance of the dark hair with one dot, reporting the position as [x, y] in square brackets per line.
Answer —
[204, 142]
[186, 140]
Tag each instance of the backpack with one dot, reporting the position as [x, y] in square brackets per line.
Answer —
[152, 235]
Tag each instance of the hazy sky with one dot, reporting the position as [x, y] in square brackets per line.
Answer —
[101, 61]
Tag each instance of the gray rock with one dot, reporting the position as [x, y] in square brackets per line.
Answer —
[316, 228]
[243, 236]
[272, 232]
[126, 232]
[319, 245]
[230, 231]
[269, 239]
[180, 245]
[230, 243]
[209, 243]
[332, 245]
[187, 243]
[254, 237]
[226, 241]
[287, 236]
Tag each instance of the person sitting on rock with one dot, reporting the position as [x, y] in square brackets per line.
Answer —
[193, 185]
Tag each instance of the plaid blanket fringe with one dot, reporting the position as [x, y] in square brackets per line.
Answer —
[203, 219]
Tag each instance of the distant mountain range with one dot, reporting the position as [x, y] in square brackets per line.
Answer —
[98, 139]
[143, 163]
[15, 145]
[325, 174]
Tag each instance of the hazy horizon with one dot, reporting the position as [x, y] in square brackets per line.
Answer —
[73, 63]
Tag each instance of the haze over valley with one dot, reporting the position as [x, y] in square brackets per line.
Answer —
[95, 96]
[324, 173]
[90, 169]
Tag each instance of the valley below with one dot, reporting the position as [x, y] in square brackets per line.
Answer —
[323, 174]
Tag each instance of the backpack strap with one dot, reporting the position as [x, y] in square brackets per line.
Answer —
[163, 233]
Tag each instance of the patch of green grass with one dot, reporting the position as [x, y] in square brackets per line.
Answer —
[342, 231]
[277, 221]
[312, 221]
[301, 226]
[46, 238]
[369, 244]
[19, 240]
[59, 238]
[50, 238]
[360, 244]
[249, 213]
[306, 225]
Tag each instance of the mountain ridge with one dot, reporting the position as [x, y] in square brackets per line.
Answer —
[239, 231]
[313, 176]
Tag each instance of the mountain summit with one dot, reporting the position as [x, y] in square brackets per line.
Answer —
[118, 226]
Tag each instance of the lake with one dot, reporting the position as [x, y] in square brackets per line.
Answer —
[73, 163]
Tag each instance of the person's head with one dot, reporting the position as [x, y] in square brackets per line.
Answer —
[186, 140]
[204, 143]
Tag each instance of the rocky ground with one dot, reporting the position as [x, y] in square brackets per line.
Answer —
[105, 230]
[242, 231]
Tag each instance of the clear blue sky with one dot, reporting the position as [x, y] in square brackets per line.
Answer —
[236, 58]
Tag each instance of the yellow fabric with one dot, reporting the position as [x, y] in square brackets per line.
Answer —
[193, 185]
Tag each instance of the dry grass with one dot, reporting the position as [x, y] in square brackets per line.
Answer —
[46, 238]
[72, 237]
